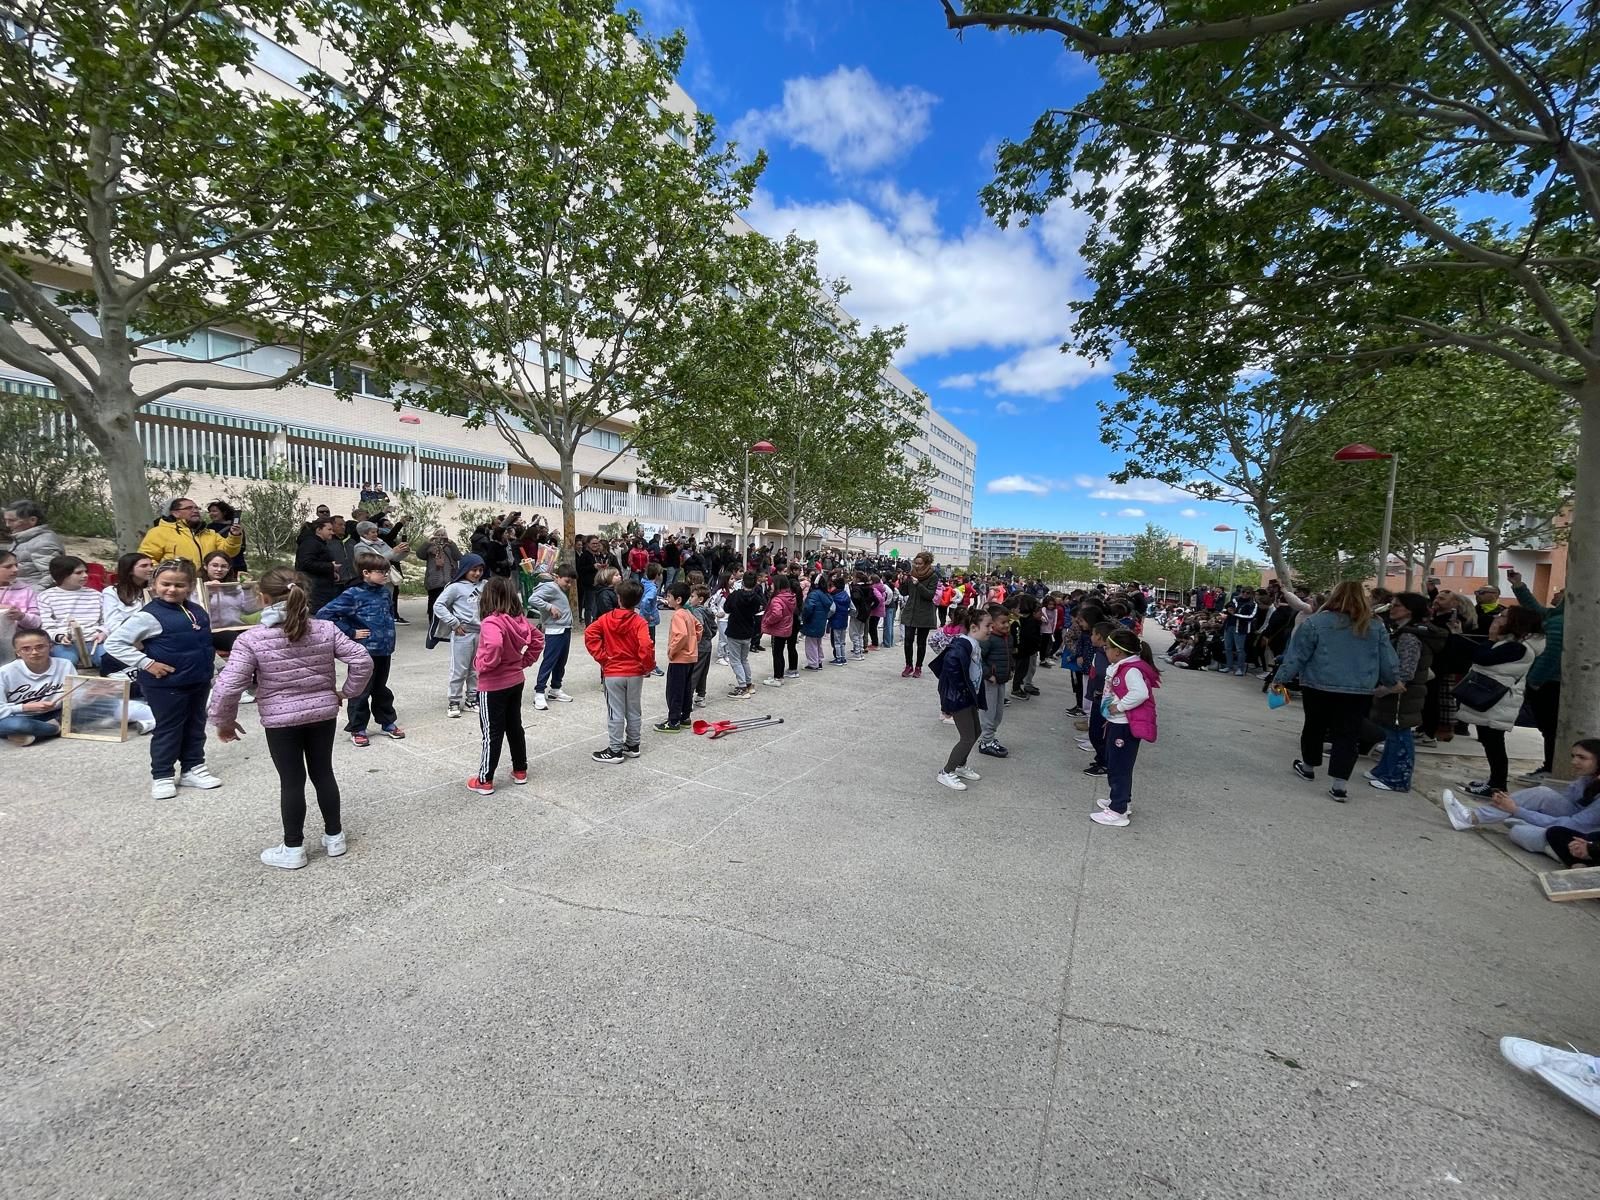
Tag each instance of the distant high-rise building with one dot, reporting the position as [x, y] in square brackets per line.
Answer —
[1105, 550]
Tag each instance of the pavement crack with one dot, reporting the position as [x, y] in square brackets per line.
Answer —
[773, 939]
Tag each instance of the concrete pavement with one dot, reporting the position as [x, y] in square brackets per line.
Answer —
[785, 963]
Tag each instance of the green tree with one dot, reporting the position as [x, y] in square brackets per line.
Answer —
[598, 229]
[799, 372]
[1357, 125]
[273, 509]
[43, 457]
[1156, 555]
[143, 149]
[1046, 560]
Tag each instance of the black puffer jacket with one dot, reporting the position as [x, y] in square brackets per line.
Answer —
[1404, 710]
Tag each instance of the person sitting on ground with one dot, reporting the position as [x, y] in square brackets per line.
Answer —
[19, 604]
[32, 689]
[33, 542]
[70, 610]
[181, 533]
[1532, 813]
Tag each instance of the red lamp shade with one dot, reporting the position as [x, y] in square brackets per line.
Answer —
[1358, 452]
[1508, 566]
[763, 448]
[1224, 529]
[408, 419]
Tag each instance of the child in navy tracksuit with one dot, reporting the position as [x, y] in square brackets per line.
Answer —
[840, 620]
[363, 614]
[1094, 687]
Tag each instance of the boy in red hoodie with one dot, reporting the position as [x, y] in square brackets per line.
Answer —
[620, 642]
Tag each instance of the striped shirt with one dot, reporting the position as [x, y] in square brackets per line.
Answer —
[58, 608]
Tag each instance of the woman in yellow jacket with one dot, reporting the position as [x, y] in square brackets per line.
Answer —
[181, 533]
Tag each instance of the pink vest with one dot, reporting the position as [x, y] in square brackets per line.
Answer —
[1141, 720]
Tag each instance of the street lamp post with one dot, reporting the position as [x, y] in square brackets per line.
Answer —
[744, 512]
[1360, 452]
[1233, 567]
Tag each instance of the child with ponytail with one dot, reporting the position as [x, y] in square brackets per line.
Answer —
[1129, 706]
[290, 656]
[507, 646]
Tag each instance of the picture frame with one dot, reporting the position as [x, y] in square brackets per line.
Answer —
[85, 661]
[95, 709]
[231, 606]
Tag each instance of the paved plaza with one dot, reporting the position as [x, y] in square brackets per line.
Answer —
[782, 964]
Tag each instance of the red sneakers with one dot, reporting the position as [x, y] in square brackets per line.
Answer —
[482, 787]
[519, 777]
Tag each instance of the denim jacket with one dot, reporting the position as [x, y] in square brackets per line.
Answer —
[1325, 654]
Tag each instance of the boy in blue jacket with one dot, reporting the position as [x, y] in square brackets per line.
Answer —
[650, 604]
[363, 614]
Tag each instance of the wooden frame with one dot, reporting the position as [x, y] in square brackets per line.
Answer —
[95, 709]
[85, 662]
[1578, 883]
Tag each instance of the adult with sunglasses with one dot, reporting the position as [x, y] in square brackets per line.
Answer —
[181, 533]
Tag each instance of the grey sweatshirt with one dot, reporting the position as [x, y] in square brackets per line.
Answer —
[458, 605]
[549, 604]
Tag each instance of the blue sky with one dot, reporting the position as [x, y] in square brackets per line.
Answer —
[880, 128]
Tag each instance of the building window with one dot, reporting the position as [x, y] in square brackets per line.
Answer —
[602, 439]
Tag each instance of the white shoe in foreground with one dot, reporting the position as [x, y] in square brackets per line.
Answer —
[968, 774]
[951, 781]
[1460, 815]
[1105, 803]
[334, 844]
[1531, 1056]
[1584, 1092]
[199, 777]
[290, 858]
[1104, 816]
[163, 789]
[539, 701]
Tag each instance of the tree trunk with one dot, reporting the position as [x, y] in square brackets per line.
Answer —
[109, 425]
[1265, 512]
[788, 532]
[1496, 537]
[569, 506]
[1580, 654]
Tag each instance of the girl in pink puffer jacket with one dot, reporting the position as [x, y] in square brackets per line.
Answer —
[290, 657]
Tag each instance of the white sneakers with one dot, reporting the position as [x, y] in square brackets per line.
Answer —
[968, 773]
[1104, 816]
[558, 696]
[199, 777]
[289, 858]
[292, 858]
[539, 701]
[1460, 815]
[1576, 1076]
[951, 781]
[773, 682]
[1103, 802]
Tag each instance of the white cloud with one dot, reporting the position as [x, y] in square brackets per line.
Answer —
[1007, 409]
[1141, 491]
[1138, 512]
[981, 287]
[966, 380]
[1010, 484]
[1043, 371]
[1195, 512]
[854, 122]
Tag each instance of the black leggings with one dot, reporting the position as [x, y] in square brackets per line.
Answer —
[299, 751]
[1494, 749]
[500, 719]
[1336, 716]
[1077, 689]
[872, 631]
[778, 644]
[967, 727]
[918, 636]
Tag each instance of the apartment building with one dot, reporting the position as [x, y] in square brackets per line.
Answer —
[1105, 550]
[377, 435]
